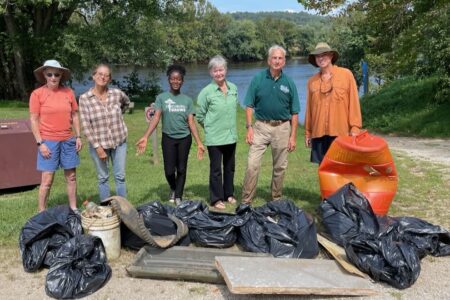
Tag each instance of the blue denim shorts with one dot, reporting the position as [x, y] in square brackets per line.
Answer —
[63, 154]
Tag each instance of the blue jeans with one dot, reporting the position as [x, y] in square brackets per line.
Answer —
[118, 158]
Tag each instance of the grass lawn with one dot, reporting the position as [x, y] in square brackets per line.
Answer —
[423, 192]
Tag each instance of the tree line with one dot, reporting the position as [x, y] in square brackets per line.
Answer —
[397, 37]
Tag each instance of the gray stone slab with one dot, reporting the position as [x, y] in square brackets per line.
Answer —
[182, 263]
[263, 275]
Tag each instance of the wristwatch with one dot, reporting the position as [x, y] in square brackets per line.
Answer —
[248, 126]
[39, 143]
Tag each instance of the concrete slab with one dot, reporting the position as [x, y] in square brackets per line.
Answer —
[182, 263]
[265, 275]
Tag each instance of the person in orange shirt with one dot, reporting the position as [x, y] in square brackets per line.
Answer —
[53, 116]
[332, 103]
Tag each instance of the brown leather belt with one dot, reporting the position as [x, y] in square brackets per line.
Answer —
[274, 123]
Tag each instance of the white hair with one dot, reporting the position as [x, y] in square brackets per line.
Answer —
[217, 61]
[276, 47]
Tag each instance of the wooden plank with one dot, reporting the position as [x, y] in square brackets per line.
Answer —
[265, 275]
[339, 254]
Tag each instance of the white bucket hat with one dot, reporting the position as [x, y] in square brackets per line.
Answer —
[51, 63]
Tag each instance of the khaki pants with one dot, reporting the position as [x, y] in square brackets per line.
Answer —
[278, 138]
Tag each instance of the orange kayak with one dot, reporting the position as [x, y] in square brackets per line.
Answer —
[364, 160]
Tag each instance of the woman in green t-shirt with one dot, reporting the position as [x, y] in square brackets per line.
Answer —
[177, 113]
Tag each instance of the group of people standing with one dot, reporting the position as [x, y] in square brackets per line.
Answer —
[272, 99]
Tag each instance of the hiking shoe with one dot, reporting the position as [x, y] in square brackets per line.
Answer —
[172, 196]
[177, 201]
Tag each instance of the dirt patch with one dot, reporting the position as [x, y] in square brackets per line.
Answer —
[431, 150]
[15, 283]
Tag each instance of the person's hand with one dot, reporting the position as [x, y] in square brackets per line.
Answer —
[79, 144]
[141, 145]
[101, 153]
[249, 137]
[307, 142]
[292, 143]
[354, 133]
[200, 151]
[45, 152]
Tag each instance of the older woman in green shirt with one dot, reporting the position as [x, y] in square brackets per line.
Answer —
[217, 115]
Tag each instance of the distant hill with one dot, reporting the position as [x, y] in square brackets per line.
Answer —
[300, 18]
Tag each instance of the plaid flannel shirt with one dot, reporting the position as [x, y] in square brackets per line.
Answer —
[102, 122]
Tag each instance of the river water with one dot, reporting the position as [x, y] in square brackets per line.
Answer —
[239, 73]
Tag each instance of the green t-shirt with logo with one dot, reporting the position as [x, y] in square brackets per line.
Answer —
[272, 99]
[175, 110]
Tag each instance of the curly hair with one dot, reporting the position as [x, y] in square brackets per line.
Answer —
[176, 68]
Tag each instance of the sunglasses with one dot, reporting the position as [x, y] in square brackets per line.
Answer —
[52, 75]
[326, 87]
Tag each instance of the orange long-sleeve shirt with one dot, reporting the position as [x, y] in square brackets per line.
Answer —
[335, 112]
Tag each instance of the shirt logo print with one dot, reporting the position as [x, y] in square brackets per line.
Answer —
[173, 107]
[284, 89]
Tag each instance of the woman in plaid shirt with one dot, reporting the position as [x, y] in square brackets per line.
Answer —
[101, 110]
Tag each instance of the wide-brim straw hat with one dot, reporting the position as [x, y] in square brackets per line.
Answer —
[322, 48]
[51, 63]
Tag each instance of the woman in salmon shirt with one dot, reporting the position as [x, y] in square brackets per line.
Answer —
[54, 120]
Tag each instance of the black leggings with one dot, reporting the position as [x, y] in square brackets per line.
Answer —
[175, 155]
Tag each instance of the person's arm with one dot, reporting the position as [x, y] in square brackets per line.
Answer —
[249, 125]
[34, 120]
[193, 128]
[202, 107]
[293, 137]
[354, 109]
[76, 128]
[142, 142]
[308, 118]
[124, 102]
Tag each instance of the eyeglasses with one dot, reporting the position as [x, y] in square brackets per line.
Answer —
[56, 75]
[103, 75]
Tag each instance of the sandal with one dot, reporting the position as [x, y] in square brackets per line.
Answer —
[219, 205]
[231, 200]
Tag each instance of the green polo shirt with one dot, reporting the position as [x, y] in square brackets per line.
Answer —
[272, 99]
[175, 110]
[216, 113]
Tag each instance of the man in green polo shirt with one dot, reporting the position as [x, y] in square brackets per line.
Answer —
[273, 97]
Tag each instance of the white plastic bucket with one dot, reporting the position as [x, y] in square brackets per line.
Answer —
[108, 230]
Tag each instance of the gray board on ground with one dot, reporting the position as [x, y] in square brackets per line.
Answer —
[182, 263]
[266, 275]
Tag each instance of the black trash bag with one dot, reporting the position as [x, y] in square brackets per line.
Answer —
[156, 221]
[44, 233]
[385, 259]
[79, 268]
[279, 228]
[347, 214]
[206, 228]
[388, 249]
[426, 238]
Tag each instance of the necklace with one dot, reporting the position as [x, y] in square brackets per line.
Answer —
[101, 96]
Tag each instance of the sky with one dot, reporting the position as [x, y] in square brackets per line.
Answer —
[257, 5]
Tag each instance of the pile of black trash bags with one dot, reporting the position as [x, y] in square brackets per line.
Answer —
[77, 263]
[279, 227]
[388, 249]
